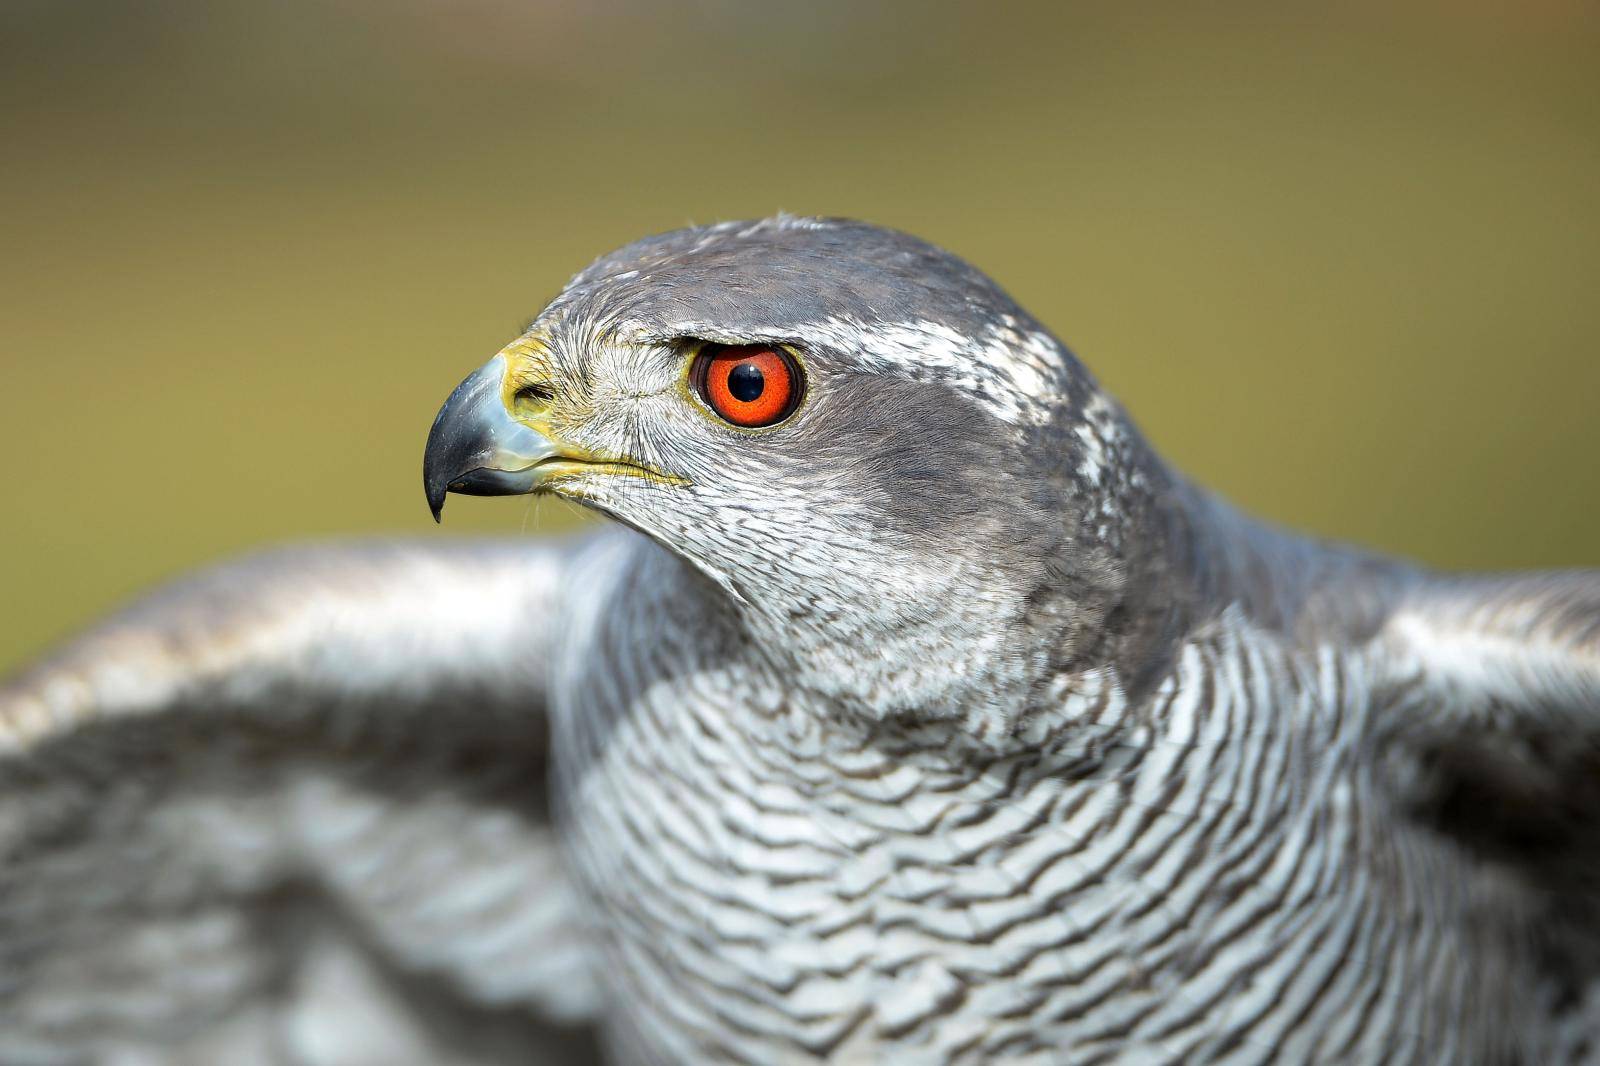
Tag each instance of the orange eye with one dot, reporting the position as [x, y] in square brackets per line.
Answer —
[750, 385]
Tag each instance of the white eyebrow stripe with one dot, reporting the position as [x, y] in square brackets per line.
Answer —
[1014, 372]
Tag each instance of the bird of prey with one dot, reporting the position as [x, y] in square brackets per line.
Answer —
[913, 711]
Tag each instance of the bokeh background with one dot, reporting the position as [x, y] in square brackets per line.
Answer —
[1341, 261]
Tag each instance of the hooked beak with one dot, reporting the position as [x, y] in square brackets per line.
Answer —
[476, 448]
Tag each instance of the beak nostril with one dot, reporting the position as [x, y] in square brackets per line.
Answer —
[536, 392]
[478, 447]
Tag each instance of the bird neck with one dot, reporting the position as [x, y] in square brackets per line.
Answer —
[991, 647]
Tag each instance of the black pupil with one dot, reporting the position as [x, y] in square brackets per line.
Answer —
[746, 382]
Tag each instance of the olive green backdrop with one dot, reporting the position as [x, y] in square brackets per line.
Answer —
[1341, 264]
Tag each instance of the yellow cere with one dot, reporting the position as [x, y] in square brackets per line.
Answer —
[529, 364]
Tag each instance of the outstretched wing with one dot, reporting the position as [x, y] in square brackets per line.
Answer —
[1503, 683]
[1496, 708]
[294, 810]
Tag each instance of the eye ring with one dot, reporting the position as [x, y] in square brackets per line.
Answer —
[751, 386]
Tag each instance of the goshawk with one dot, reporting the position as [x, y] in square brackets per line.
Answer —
[918, 712]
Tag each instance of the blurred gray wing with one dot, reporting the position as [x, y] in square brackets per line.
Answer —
[1496, 709]
[294, 810]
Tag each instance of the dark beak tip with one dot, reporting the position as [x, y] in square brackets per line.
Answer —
[436, 489]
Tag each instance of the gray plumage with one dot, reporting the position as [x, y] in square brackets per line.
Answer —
[939, 722]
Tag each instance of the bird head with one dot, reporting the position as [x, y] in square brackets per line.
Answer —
[894, 475]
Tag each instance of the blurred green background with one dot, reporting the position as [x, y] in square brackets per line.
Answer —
[1340, 261]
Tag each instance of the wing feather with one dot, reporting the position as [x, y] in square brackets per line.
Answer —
[320, 765]
[1493, 724]
[1499, 688]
